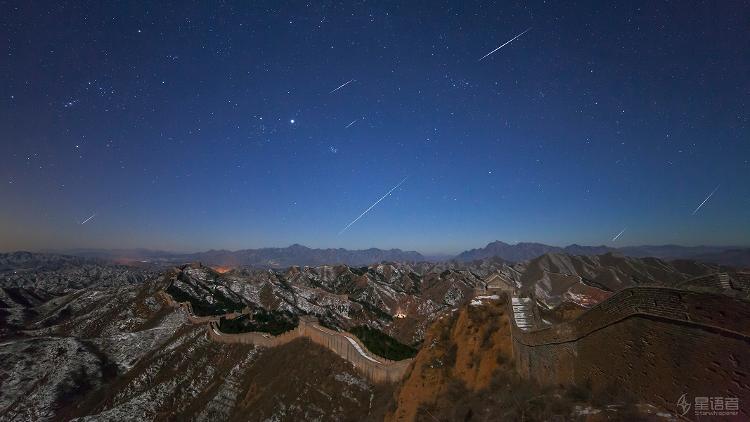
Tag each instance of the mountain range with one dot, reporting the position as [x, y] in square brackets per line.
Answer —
[109, 345]
[524, 251]
[303, 256]
[261, 258]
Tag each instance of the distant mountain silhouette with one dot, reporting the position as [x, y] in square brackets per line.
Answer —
[265, 257]
[515, 253]
[524, 251]
[733, 257]
[301, 255]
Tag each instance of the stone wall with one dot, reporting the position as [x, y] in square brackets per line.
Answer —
[349, 347]
[651, 343]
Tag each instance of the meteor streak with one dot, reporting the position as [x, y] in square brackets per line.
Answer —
[504, 44]
[345, 84]
[618, 235]
[87, 220]
[373, 205]
[707, 198]
[350, 124]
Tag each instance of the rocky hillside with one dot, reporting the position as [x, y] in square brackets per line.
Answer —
[465, 371]
[77, 342]
[62, 273]
[461, 350]
[586, 280]
[339, 296]
[34, 285]
[189, 377]
[102, 344]
[108, 346]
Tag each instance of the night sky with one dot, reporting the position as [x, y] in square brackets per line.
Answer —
[188, 126]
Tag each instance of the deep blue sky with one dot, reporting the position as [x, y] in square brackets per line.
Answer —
[173, 123]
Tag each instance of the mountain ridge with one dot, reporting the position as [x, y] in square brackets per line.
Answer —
[282, 257]
[300, 255]
[525, 251]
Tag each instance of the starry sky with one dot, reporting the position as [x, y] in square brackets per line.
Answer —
[194, 125]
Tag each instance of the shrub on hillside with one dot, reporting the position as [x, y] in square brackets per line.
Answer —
[382, 344]
[272, 322]
[222, 305]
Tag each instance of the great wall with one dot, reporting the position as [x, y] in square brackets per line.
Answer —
[654, 343]
[375, 368]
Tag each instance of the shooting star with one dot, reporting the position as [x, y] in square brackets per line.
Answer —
[373, 205]
[618, 235]
[350, 124]
[343, 85]
[707, 198]
[506, 43]
[88, 219]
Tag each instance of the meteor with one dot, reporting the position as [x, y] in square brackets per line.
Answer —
[504, 44]
[373, 205]
[618, 235]
[87, 220]
[350, 124]
[345, 84]
[707, 198]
